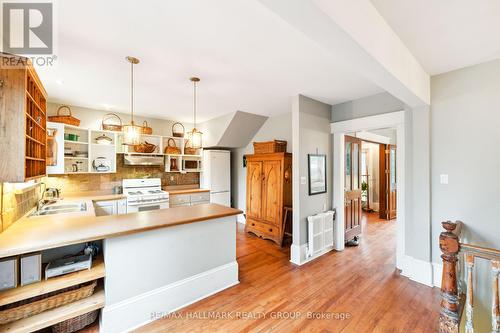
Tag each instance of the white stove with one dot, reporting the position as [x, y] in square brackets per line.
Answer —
[144, 194]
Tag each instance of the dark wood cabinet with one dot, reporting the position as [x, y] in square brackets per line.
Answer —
[23, 121]
[269, 189]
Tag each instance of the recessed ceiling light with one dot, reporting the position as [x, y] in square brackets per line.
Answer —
[60, 81]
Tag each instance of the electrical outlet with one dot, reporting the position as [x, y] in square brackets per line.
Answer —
[303, 180]
[443, 179]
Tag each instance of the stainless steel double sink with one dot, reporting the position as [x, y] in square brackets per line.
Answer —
[62, 208]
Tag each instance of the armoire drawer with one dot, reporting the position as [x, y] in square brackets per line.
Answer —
[263, 228]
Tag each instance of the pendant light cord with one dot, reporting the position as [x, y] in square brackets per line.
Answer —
[132, 94]
[194, 104]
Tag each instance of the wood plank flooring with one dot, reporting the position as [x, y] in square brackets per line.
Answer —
[358, 290]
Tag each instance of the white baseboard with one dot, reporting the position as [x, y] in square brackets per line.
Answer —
[417, 270]
[299, 254]
[437, 274]
[140, 310]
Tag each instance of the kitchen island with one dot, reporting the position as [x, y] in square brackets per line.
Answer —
[155, 262]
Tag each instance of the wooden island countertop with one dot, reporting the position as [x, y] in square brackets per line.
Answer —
[41, 233]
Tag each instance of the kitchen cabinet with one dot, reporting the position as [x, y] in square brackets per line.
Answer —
[23, 133]
[110, 207]
[269, 190]
[178, 200]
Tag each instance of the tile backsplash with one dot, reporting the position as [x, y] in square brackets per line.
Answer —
[16, 203]
[105, 183]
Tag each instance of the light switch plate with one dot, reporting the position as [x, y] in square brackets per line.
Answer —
[443, 179]
[303, 180]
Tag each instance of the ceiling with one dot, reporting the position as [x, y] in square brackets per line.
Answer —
[445, 35]
[248, 59]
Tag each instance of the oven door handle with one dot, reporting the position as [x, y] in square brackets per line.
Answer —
[145, 204]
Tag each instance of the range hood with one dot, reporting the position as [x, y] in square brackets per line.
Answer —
[144, 160]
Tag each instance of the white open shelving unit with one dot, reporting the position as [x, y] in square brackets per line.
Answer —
[89, 149]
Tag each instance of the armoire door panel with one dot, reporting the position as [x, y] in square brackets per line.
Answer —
[254, 189]
[272, 192]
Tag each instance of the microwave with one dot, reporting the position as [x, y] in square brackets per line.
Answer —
[191, 165]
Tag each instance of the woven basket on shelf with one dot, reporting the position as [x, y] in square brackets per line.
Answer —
[275, 146]
[189, 150]
[172, 148]
[145, 148]
[178, 130]
[75, 324]
[145, 129]
[65, 119]
[39, 304]
[111, 126]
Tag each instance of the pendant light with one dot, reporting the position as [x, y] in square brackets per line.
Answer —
[132, 132]
[195, 136]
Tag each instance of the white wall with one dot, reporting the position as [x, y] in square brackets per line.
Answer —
[277, 127]
[465, 119]
[91, 118]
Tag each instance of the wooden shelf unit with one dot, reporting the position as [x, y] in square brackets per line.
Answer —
[24, 119]
[46, 286]
[36, 126]
[57, 315]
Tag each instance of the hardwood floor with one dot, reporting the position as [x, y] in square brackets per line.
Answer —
[360, 288]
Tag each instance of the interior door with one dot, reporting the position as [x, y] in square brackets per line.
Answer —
[352, 191]
[388, 184]
[271, 191]
[254, 189]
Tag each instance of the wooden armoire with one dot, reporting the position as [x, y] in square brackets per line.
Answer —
[269, 189]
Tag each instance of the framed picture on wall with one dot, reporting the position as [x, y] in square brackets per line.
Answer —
[317, 173]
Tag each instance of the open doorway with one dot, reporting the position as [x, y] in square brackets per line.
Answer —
[370, 181]
[348, 160]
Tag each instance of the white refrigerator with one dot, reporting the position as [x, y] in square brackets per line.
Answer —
[216, 175]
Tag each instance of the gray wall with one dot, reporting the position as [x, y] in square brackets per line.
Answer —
[465, 139]
[278, 127]
[314, 136]
[367, 106]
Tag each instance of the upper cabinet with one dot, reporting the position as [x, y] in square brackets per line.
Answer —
[23, 120]
[74, 150]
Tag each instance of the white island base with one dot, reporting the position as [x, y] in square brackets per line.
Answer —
[152, 273]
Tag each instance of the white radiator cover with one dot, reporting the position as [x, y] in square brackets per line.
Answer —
[319, 232]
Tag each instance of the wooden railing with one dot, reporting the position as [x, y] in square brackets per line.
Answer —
[453, 300]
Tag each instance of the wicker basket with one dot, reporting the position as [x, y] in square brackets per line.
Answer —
[111, 127]
[275, 146]
[65, 119]
[189, 150]
[76, 324]
[36, 305]
[145, 129]
[178, 130]
[172, 148]
[145, 148]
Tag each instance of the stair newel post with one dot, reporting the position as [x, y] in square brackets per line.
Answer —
[450, 247]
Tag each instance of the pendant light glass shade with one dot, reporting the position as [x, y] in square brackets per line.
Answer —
[132, 132]
[194, 136]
